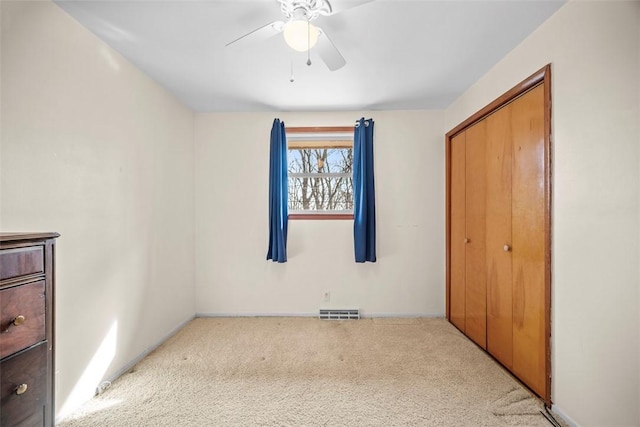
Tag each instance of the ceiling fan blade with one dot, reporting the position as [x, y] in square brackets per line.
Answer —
[338, 6]
[259, 34]
[329, 52]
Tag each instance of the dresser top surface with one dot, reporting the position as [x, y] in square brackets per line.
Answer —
[16, 237]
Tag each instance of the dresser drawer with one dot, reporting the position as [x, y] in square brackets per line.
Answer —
[27, 301]
[24, 373]
[21, 262]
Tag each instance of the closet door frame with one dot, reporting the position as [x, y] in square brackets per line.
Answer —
[540, 77]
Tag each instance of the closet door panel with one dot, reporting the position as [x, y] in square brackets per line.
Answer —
[499, 240]
[529, 358]
[457, 239]
[476, 290]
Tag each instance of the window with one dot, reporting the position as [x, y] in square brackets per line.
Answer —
[320, 173]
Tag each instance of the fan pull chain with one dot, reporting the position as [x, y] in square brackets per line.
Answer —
[292, 79]
[308, 43]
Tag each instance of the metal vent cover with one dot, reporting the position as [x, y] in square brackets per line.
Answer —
[339, 314]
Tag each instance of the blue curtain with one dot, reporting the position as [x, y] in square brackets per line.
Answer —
[278, 194]
[364, 209]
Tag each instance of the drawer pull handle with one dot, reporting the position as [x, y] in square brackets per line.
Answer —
[21, 389]
[18, 320]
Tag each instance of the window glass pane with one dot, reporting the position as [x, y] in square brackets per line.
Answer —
[327, 184]
[320, 160]
[321, 193]
[295, 160]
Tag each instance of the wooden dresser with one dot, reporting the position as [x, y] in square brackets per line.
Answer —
[26, 329]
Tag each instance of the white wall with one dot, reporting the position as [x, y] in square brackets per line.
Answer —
[93, 149]
[232, 274]
[594, 49]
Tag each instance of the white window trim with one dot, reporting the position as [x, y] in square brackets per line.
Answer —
[319, 136]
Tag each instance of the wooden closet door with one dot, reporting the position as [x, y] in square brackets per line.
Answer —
[476, 290]
[499, 280]
[457, 236]
[529, 240]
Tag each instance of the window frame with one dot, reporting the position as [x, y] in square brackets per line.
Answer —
[319, 215]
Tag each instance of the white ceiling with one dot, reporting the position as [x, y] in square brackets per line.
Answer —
[418, 54]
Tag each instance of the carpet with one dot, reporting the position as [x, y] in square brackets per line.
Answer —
[285, 371]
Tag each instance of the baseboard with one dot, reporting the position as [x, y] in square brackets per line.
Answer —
[405, 315]
[126, 368]
[567, 419]
[362, 315]
[135, 360]
[148, 350]
[256, 314]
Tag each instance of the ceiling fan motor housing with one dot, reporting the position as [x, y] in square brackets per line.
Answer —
[305, 9]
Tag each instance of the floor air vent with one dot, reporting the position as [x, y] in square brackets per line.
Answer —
[339, 314]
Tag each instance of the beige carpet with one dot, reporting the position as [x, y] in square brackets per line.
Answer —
[308, 372]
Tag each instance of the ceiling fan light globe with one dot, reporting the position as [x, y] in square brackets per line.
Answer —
[300, 35]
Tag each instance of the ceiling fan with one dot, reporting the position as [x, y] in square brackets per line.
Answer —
[299, 33]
